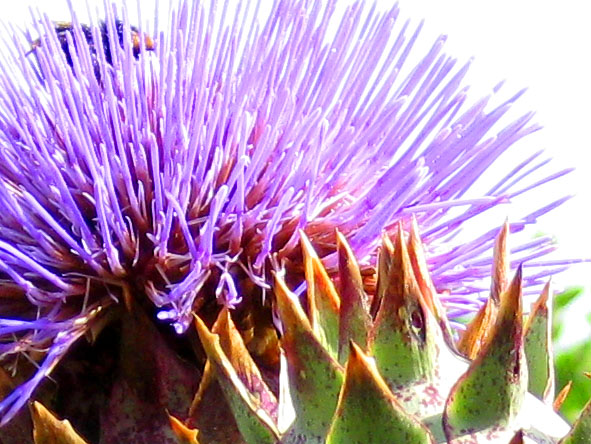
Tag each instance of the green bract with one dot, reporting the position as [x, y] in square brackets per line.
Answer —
[400, 379]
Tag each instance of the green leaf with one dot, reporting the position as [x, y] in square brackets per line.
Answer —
[581, 431]
[565, 298]
[570, 366]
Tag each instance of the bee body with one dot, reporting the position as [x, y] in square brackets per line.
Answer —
[62, 29]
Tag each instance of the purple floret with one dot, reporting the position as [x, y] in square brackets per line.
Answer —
[177, 172]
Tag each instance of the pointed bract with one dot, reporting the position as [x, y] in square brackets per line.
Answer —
[385, 256]
[423, 277]
[368, 412]
[500, 265]
[234, 349]
[255, 424]
[538, 348]
[354, 318]
[475, 337]
[402, 338]
[50, 430]
[561, 396]
[323, 299]
[518, 438]
[492, 390]
[311, 369]
[184, 434]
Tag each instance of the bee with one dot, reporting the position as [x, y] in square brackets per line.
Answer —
[62, 29]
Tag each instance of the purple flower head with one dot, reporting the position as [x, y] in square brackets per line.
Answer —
[183, 175]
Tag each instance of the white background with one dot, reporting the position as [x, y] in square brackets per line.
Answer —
[542, 45]
[546, 47]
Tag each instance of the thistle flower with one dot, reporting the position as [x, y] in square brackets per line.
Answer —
[181, 179]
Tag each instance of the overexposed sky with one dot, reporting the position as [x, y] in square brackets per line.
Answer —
[546, 47]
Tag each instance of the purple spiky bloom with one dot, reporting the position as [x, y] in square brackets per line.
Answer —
[176, 175]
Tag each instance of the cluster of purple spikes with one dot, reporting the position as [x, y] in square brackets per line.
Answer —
[207, 155]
